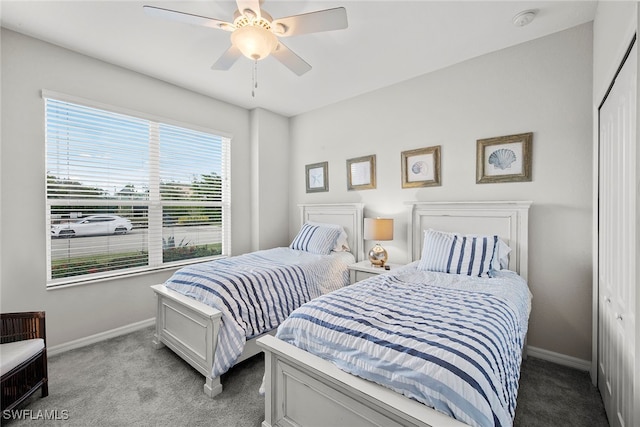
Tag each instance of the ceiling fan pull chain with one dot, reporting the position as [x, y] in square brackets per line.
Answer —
[254, 78]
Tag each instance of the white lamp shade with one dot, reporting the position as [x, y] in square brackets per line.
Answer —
[254, 42]
[378, 229]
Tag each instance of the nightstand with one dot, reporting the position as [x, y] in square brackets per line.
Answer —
[363, 270]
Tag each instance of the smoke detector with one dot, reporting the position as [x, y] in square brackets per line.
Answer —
[524, 18]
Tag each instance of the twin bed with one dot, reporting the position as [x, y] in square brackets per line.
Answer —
[272, 282]
[388, 350]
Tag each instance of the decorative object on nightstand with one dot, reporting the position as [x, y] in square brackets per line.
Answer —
[378, 229]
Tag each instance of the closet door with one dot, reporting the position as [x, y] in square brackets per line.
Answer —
[617, 246]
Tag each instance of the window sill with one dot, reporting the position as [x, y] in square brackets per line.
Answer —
[68, 283]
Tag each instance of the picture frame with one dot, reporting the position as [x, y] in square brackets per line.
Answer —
[504, 158]
[421, 167]
[317, 177]
[361, 173]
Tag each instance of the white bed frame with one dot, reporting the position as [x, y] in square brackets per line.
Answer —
[190, 328]
[304, 390]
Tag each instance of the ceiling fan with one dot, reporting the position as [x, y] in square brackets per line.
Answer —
[255, 34]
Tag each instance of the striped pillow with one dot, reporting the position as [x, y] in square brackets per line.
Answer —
[315, 239]
[342, 243]
[458, 254]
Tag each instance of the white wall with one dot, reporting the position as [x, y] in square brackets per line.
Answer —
[270, 166]
[544, 87]
[28, 66]
[613, 29]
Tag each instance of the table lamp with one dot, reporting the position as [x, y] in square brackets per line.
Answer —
[378, 229]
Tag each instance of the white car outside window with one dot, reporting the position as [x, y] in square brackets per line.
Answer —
[93, 225]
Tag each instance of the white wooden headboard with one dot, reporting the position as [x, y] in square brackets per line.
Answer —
[508, 220]
[348, 215]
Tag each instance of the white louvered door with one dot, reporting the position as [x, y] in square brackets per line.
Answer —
[617, 246]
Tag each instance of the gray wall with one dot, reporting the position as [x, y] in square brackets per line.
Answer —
[544, 87]
[28, 66]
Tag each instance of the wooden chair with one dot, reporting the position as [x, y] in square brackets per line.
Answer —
[23, 357]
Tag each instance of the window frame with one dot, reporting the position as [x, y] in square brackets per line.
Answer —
[154, 204]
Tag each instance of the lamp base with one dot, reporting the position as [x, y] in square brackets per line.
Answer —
[378, 256]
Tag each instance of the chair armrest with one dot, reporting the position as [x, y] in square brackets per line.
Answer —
[22, 326]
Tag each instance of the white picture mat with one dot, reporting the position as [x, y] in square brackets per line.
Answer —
[420, 168]
[360, 173]
[512, 168]
[316, 177]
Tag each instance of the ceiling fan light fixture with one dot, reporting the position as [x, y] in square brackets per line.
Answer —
[254, 42]
[254, 34]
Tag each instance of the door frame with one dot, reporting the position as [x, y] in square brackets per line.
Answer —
[596, 205]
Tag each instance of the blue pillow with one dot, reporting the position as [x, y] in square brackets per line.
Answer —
[457, 253]
[315, 239]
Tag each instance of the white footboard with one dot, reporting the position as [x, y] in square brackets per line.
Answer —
[190, 329]
[303, 390]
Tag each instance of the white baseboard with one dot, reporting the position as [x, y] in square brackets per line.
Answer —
[92, 339]
[560, 359]
[550, 356]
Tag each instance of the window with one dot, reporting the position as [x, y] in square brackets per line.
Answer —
[126, 194]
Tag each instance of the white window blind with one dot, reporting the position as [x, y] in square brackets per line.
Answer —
[127, 194]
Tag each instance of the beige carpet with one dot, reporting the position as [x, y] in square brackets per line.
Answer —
[125, 382]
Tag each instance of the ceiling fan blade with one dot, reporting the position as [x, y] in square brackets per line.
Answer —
[290, 59]
[253, 5]
[187, 18]
[227, 59]
[312, 22]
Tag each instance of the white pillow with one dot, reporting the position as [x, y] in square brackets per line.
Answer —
[342, 244]
[315, 239]
[501, 260]
[459, 254]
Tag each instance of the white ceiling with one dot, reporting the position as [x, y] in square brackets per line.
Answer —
[386, 42]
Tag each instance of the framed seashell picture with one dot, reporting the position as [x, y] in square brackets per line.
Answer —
[504, 159]
[421, 167]
[317, 177]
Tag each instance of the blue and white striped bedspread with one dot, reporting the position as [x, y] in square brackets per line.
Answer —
[255, 292]
[452, 342]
